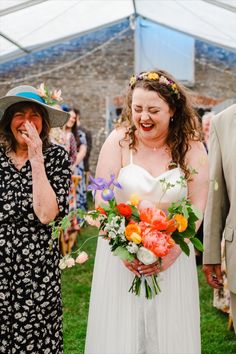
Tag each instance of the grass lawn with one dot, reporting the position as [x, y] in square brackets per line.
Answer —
[76, 282]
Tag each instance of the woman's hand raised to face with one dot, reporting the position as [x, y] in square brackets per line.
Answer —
[34, 143]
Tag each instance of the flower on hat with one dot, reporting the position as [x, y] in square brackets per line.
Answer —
[41, 90]
[50, 97]
[57, 95]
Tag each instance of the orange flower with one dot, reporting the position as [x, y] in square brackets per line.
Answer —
[182, 222]
[124, 210]
[130, 229]
[155, 217]
[101, 210]
[171, 226]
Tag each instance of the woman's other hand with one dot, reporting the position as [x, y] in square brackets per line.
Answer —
[170, 258]
[33, 142]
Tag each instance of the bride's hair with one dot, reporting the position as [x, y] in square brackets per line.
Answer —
[184, 125]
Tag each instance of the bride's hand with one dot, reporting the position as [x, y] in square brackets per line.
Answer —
[133, 266]
[171, 257]
[151, 269]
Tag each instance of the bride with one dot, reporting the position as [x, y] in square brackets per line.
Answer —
[157, 139]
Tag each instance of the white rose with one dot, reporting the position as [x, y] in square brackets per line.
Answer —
[70, 262]
[62, 264]
[145, 256]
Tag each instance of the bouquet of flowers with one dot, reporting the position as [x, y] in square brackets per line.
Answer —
[146, 234]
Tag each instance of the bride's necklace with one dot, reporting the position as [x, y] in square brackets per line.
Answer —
[155, 147]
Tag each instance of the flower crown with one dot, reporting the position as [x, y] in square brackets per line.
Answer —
[153, 76]
[50, 97]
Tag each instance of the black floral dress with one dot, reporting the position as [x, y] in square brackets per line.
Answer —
[30, 294]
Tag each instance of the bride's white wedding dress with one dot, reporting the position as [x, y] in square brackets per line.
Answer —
[120, 322]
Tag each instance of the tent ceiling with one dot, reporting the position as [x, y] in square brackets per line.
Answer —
[27, 25]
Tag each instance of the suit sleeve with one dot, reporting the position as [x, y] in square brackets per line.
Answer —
[217, 204]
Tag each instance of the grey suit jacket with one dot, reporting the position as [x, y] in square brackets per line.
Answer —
[220, 214]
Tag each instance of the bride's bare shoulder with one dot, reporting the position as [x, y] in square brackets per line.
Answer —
[118, 136]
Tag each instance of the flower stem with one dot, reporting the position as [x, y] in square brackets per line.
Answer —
[88, 239]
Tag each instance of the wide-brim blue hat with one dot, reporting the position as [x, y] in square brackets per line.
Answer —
[24, 93]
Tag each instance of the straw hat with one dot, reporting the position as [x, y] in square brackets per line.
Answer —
[26, 93]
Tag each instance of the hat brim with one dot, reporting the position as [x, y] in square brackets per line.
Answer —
[57, 117]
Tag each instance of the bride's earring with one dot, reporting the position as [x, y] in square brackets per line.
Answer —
[172, 119]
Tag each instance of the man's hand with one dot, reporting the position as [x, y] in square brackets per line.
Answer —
[213, 275]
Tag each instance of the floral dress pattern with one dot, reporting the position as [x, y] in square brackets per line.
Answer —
[30, 299]
[81, 193]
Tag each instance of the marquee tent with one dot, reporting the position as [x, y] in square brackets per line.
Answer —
[27, 26]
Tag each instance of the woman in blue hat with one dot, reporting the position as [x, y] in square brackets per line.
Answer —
[34, 185]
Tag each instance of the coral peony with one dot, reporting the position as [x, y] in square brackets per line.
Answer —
[157, 241]
[156, 217]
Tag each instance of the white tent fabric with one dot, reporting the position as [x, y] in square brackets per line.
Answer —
[160, 47]
[29, 25]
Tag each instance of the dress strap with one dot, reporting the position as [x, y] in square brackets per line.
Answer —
[131, 156]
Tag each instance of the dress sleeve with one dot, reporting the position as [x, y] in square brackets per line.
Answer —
[82, 138]
[59, 175]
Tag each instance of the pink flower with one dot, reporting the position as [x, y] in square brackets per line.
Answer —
[82, 258]
[91, 221]
[41, 90]
[57, 95]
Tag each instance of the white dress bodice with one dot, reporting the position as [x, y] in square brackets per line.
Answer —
[134, 179]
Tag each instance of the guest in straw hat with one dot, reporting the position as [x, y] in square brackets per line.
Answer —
[34, 185]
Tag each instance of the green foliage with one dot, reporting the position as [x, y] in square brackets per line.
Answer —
[180, 241]
[192, 214]
[197, 243]
[123, 254]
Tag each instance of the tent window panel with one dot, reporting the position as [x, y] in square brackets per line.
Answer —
[160, 47]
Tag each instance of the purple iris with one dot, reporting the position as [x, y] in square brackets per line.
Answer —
[101, 184]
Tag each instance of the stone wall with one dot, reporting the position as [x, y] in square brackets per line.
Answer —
[92, 75]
